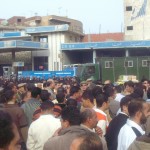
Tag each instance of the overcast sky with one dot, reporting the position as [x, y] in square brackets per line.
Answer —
[97, 16]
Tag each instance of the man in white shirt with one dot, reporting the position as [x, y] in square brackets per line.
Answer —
[138, 111]
[43, 128]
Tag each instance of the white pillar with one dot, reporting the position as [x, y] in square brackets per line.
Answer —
[94, 56]
[127, 53]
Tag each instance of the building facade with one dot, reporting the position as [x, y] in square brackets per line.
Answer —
[137, 19]
[53, 30]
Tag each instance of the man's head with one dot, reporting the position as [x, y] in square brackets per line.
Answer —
[75, 92]
[102, 102]
[107, 82]
[87, 141]
[45, 95]
[35, 93]
[139, 110]
[12, 86]
[9, 135]
[129, 86]
[10, 96]
[124, 104]
[89, 118]
[60, 97]
[47, 107]
[70, 116]
[22, 87]
[145, 82]
[51, 83]
[83, 85]
[87, 99]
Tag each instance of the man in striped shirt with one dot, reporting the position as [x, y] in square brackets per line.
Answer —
[30, 106]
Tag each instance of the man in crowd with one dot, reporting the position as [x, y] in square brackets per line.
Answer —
[102, 105]
[88, 99]
[138, 111]
[9, 135]
[50, 87]
[129, 87]
[70, 130]
[89, 121]
[75, 93]
[31, 105]
[43, 128]
[116, 124]
[83, 86]
[87, 141]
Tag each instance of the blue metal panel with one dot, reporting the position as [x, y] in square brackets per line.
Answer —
[45, 74]
[105, 45]
[28, 44]
[47, 28]
[7, 44]
[23, 44]
[10, 34]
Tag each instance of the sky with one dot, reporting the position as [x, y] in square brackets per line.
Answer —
[97, 16]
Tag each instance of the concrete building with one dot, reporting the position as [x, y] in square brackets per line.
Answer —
[137, 19]
[53, 30]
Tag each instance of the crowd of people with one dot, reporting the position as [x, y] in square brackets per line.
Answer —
[66, 114]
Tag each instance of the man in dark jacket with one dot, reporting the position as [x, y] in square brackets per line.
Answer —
[117, 123]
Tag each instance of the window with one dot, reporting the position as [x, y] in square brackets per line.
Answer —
[70, 38]
[129, 8]
[108, 64]
[145, 63]
[129, 27]
[128, 63]
[43, 39]
[18, 20]
[91, 69]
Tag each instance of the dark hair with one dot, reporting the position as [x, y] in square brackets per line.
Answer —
[71, 102]
[138, 91]
[45, 84]
[74, 89]
[47, 105]
[23, 95]
[45, 95]
[35, 92]
[87, 113]
[30, 86]
[60, 97]
[129, 83]
[148, 93]
[72, 115]
[109, 91]
[118, 88]
[49, 83]
[9, 95]
[125, 101]
[6, 129]
[100, 99]
[90, 141]
[87, 94]
[144, 79]
[135, 106]
[61, 90]
[96, 91]
[10, 85]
